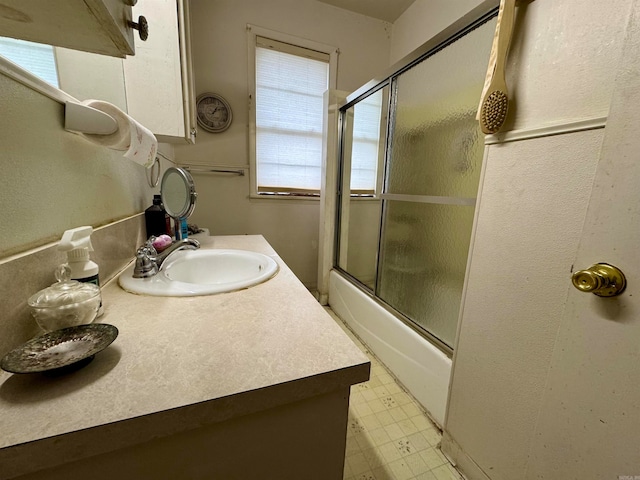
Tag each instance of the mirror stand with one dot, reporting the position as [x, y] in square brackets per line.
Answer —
[178, 193]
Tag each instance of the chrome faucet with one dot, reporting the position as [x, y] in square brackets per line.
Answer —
[149, 261]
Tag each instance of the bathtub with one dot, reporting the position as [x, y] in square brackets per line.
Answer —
[422, 368]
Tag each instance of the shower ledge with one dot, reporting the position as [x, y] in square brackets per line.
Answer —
[234, 385]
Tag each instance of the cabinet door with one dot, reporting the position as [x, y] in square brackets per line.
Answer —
[157, 78]
[98, 26]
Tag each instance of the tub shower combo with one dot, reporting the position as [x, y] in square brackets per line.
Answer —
[410, 162]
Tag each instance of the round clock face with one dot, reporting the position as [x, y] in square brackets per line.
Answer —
[214, 113]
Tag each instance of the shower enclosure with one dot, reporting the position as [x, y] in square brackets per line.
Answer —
[410, 163]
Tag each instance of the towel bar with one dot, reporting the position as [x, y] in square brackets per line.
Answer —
[239, 172]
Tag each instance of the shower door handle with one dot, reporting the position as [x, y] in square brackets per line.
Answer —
[600, 279]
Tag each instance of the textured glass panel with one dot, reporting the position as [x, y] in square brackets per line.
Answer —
[424, 257]
[437, 145]
[361, 255]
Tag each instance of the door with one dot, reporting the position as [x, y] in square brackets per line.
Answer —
[589, 423]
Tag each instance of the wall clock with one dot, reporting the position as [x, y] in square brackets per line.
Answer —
[214, 112]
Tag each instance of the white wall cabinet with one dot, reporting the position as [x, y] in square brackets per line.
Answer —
[98, 26]
[154, 85]
[159, 79]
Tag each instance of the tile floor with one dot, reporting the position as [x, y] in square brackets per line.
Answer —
[389, 437]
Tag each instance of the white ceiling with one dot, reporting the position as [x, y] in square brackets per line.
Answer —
[388, 10]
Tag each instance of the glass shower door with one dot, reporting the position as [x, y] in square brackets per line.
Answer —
[433, 170]
[411, 156]
[363, 146]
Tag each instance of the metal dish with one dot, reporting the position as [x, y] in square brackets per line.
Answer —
[59, 348]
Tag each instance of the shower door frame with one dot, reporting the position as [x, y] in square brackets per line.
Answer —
[469, 22]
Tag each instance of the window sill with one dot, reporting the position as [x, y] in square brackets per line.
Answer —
[289, 198]
[358, 198]
[306, 198]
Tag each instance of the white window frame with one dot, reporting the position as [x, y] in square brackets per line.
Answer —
[254, 31]
[374, 194]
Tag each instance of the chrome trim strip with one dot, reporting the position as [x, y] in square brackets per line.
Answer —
[467, 202]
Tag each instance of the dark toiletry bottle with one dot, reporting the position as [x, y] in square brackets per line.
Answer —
[156, 218]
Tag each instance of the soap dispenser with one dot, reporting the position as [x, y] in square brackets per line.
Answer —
[77, 243]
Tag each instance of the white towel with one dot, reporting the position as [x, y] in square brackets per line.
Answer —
[139, 144]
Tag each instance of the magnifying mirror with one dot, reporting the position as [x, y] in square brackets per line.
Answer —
[178, 192]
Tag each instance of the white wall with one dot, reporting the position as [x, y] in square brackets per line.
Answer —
[529, 218]
[422, 20]
[53, 180]
[220, 65]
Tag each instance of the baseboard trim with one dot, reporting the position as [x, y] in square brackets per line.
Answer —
[459, 458]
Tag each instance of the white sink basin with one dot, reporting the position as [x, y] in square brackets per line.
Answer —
[203, 272]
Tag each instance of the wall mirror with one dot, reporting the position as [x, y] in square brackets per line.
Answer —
[61, 72]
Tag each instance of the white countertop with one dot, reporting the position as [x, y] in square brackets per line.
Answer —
[179, 363]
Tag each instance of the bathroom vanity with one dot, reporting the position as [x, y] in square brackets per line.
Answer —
[240, 385]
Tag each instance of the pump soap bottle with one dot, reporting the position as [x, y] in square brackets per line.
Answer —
[77, 243]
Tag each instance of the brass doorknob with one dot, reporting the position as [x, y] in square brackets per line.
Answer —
[600, 279]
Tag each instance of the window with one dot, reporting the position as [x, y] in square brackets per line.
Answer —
[33, 57]
[290, 77]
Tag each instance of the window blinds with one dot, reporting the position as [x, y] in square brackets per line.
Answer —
[290, 83]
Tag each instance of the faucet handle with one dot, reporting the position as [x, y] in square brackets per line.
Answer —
[149, 242]
[148, 247]
[145, 264]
